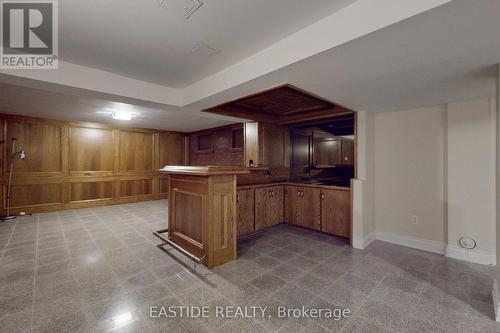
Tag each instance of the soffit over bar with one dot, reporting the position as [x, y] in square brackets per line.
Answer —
[284, 104]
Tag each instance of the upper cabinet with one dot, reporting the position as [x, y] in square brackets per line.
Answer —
[300, 149]
[347, 152]
[266, 145]
[217, 146]
[333, 151]
[326, 151]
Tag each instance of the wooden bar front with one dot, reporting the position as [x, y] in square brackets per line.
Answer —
[202, 211]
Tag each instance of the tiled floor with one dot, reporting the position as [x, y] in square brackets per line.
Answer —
[94, 270]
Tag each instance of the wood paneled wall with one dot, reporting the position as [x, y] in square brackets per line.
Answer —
[73, 165]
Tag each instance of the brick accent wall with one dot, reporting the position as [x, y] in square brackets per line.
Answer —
[222, 152]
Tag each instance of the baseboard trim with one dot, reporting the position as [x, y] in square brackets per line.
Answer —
[478, 257]
[362, 242]
[408, 241]
[369, 239]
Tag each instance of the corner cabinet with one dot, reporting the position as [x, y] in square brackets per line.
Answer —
[303, 207]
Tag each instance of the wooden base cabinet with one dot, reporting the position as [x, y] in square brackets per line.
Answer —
[269, 205]
[322, 209]
[336, 212]
[245, 211]
[303, 207]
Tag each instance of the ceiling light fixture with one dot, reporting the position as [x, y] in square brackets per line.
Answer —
[120, 114]
[123, 115]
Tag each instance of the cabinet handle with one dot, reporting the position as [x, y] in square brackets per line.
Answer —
[322, 196]
[237, 198]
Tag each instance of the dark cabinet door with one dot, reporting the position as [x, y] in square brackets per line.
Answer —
[347, 152]
[311, 208]
[326, 152]
[336, 212]
[245, 208]
[269, 206]
[302, 205]
[275, 145]
[300, 150]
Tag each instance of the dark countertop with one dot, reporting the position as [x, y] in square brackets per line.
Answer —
[314, 184]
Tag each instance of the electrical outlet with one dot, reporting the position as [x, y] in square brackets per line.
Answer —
[414, 219]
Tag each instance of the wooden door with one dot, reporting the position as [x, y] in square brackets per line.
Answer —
[245, 211]
[269, 206]
[310, 208]
[303, 207]
[293, 205]
[347, 156]
[336, 212]
[326, 152]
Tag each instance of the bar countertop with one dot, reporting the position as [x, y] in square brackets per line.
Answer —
[209, 170]
[295, 183]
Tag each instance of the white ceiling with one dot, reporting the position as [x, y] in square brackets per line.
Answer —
[442, 55]
[138, 39]
[81, 106]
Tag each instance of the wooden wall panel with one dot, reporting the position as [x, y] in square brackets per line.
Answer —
[42, 141]
[90, 151]
[90, 191]
[23, 196]
[136, 151]
[171, 148]
[75, 164]
[136, 187]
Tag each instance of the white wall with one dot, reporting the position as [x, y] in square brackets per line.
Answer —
[369, 178]
[363, 186]
[471, 179]
[409, 173]
[497, 114]
[437, 163]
